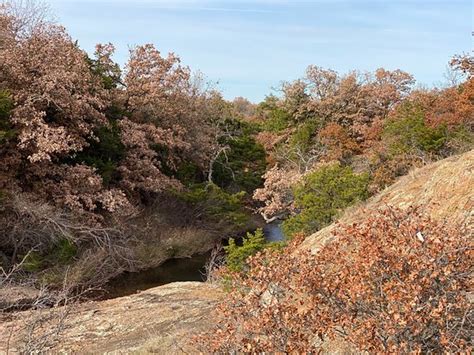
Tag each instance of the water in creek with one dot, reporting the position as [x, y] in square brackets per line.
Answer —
[273, 232]
[174, 270]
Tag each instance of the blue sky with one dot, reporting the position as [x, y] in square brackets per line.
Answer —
[251, 46]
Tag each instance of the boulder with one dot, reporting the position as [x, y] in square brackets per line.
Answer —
[159, 320]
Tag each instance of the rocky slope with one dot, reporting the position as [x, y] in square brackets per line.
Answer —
[159, 320]
[163, 319]
[444, 189]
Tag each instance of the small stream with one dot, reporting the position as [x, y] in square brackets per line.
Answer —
[173, 270]
[273, 232]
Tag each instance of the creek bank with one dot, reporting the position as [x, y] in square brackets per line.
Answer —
[173, 270]
[177, 260]
[14, 298]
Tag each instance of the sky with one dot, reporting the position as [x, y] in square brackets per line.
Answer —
[250, 47]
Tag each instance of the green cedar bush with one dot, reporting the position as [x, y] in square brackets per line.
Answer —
[6, 105]
[242, 166]
[409, 133]
[217, 204]
[237, 255]
[105, 153]
[323, 195]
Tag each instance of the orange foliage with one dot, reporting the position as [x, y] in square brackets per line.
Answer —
[395, 283]
[58, 102]
[354, 101]
[452, 106]
[61, 98]
[386, 171]
[340, 145]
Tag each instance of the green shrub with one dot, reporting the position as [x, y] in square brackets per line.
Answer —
[302, 141]
[163, 154]
[63, 252]
[408, 132]
[237, 255]
[6, 105]
[303, 136]
[275, 119]
[104, 154]
[323, 195]
[242, 167]
[33, 262]
[109, 74]
[218, 204]
[460, 139]
[189, 173]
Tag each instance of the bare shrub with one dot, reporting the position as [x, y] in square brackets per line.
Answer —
[30, 227]
[43, 328]
[30, 224]
[216, 260]
[26, 15]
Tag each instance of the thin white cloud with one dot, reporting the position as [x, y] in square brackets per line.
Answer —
[194, 5]
[230, 9]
